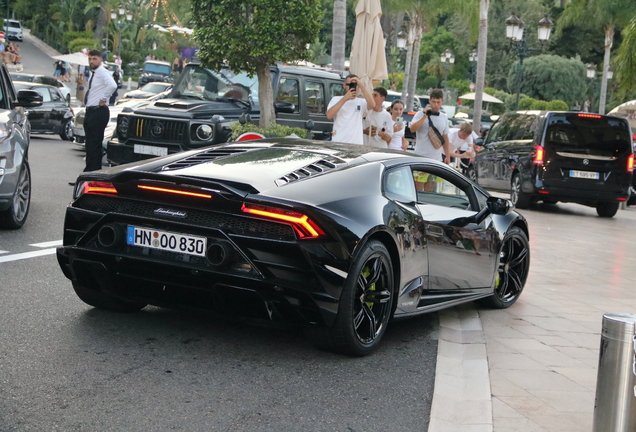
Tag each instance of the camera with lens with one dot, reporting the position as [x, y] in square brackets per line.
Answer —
[432, 113]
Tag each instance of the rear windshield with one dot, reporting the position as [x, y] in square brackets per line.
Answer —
[157, 68]
[588, 132]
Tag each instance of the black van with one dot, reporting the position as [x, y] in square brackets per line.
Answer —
[203, 103]
[574, 157]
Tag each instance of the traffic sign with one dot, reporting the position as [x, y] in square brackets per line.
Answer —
[472, 87]
[250, 136]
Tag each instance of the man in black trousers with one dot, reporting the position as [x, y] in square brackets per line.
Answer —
[101, 86]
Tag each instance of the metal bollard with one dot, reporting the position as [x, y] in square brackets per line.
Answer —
[129, 83]
[615, 403]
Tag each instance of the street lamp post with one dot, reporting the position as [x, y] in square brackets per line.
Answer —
[448, 59]
[472, 57]
[591, 75]
[515, 31]
[119, 14]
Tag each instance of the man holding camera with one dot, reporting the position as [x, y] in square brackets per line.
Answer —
[431, 128]
[347, 112]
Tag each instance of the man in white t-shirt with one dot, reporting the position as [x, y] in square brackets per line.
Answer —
[461, 141]
[378, 124]
[347, 111]
[420, 126]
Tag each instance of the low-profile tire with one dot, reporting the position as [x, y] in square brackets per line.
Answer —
[15, 216]
[607, 209]
[67, 131]
[366, 304]
[471, 174]
[512, 270]
[518, 197]
[101, 300]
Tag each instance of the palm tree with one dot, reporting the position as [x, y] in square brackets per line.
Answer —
[339, 33]
[610, 15]
[482, 48]
[626, 60]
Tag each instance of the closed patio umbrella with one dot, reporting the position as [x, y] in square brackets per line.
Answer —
[368, 59]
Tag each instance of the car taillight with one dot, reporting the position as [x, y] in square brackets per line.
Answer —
[97, 187]
[305, 227]
[630, 163]
[538, 155]
[175, 191]
[590, 115]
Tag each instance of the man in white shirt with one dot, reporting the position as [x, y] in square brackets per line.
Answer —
[461, 141]
[420, 125]
[99, 89]
[378, 124]
[347, 111]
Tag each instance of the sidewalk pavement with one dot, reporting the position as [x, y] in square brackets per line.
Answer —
[532, 367]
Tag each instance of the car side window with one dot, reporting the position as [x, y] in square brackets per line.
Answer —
[501, 130]
[46, 96]
[523, 128]
[438, 189]
[288, 92]
[56, 96]
[336, 89]
[315, 97]
[398, 185]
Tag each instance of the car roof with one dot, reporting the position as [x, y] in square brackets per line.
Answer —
[309, 71]
[33, 85]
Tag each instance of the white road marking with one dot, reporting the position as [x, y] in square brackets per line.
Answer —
[47, 244]
[25, 255]
[1, 251]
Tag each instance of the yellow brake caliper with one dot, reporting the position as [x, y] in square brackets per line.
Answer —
[366, 272]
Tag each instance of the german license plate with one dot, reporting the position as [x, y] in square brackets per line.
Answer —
[150, 150]
[168, 241]
[584, 174]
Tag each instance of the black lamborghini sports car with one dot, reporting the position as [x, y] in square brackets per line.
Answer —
[337, 238]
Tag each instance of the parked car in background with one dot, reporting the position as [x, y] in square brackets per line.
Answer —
[13, 29]
[130, 104]
[554, 156]
[333, 237]
[54, 115]
[43, 79]
[204, 103]
[154, 71]
[148, 90]
[15, 130]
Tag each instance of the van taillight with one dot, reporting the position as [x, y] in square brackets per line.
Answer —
[538, 155]
[630, 163]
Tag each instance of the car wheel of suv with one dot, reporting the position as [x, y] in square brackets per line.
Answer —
[67, 131]
[518, 197]
[512, 270]
[15, 216]
[607, 209]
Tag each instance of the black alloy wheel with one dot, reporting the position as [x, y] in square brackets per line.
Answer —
[512, 269]
[518, 197]
[471, 174]
[366, 303]
[15, 216]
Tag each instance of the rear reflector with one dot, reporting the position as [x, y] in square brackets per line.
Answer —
[630, 163]
[544, 192]
[175, 191]
[590, 115]
[538, 155]
[301, 223]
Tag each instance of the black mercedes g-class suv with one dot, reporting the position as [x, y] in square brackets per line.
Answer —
[203, 103]
[574, 157]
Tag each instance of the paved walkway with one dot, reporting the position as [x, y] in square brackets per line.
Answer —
[532, 367]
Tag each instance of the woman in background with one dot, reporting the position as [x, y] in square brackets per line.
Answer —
[398, 142]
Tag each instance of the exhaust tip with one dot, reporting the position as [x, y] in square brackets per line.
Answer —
[220, 253]
[110, 236]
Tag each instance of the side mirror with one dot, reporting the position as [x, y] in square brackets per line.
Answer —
[490, 146]
[494, 205]
[499, 206]
[284, 107]
[479, 141]
[29, 98]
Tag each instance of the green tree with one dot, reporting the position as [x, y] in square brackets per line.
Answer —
[549, 77]
[610, 15]
[626, 60]
[252, 35]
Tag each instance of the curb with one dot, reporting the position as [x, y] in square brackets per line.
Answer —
[462, 399]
